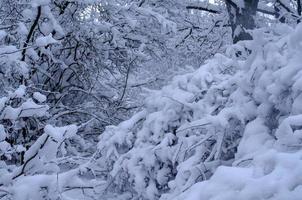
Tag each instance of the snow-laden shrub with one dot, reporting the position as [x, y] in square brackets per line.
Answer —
[227, 113]
[42, 175]
[36, 161]
[268, 162]
[22, 116]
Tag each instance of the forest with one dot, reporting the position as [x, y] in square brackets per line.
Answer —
[150, 100]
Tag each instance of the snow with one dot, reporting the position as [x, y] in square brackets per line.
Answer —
[43, 41]
[3, 100]
[2, 34]
[39, 97]
[19, 92]
[60, 133]
[230, 130]
[22, 29]
[2, 133]
[273, 175]
[167, 24]
[27, 109]
[36, 3]
[30, 108]
[239, 3]
[268, 161]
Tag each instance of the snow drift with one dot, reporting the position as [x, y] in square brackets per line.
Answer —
[230, 130]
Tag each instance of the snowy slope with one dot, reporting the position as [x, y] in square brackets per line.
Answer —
[230, 130]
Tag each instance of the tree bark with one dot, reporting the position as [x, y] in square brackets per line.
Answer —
[242, 19]
[299, 10]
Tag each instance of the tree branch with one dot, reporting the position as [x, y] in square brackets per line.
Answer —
[214, 11]
[203, 9]
[31, 31]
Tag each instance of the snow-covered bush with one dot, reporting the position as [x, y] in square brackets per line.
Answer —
[41, 176]
[36, 161]
[21, 119]
[90, 58]
[240, 112]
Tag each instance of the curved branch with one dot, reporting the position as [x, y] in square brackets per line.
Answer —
[29, 159]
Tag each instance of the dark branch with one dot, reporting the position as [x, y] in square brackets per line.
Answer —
[266, 11]
[31, 31]
[203, 9]
[218, 12]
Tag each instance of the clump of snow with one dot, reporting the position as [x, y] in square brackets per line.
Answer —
[61, 133]
[2, 34]
[2, 102]
[27, 109]
[43, 41]
[10, 62]
[22, 29]
[19, 92]
[230, 130]
[2, 133]
[39, 97]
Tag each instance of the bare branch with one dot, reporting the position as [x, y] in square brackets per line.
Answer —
[203, 9]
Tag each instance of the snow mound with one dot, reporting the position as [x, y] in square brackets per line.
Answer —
[230, 130]
[273, 175]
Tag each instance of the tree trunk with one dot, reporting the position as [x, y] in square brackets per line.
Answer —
[242, 19]
[299, 10]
